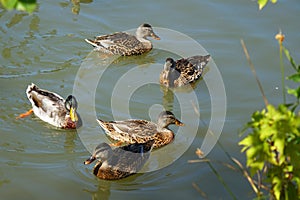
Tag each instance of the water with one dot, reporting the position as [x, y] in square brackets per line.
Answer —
[47, 48]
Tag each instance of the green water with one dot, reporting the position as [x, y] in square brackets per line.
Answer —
[47, 48]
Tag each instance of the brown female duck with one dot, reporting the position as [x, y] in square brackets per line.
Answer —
[140, 131]
[124, 44]
[183, 71]
[120, 162]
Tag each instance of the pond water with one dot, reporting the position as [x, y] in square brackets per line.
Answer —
[47, 48]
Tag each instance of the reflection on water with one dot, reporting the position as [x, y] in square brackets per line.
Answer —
[102, 191]
[24, 52]
[168, 93]
[69, 143]
[75, 5]
[17, 18]
[168, 98]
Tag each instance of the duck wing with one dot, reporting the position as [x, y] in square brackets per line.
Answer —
[191, 69]
[45, 101]
[199, 62]
[118, 43]
[130, 131]
[119, 38]
[131, 158]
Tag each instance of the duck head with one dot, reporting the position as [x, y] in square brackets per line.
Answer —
[166, 118]
[102, 152]
[145, 30]
[168, 69]
[71, 106]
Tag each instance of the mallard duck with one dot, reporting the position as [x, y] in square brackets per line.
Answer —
[52, 108]
[183, 71]
[124, 44]
[120, 162]
[139, 131]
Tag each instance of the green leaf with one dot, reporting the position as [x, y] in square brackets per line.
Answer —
[9, 4]
[261, 3]
[23, 5]
[277, 185]
[246, 142]
[279, 144]
[294, 77]
[28, 6]
[256, 166]
[295, 92]
[289, 57]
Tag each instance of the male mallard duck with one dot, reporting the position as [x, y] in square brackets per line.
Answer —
[183, 71]
[139, 131]
[120, 162]
[124, 44]
[52, 108]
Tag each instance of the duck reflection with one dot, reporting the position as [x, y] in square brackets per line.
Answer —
[168, 98]
[143, 60]
[102, 191]
[69, 143]
[76, 5]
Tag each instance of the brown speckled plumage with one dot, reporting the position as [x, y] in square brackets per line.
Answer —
[183, 71]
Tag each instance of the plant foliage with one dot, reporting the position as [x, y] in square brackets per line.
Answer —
[23, 5]
[295, 78]
[273, 145]
[263, 3]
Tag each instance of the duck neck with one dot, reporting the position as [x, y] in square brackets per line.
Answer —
[139, 35]
[172, 76]
[143, 40]
[164, 130]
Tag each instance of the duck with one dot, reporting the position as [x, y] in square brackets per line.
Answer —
[125, 44]
[183, 71]
[139, 131]
[120, 162]
[52, 108]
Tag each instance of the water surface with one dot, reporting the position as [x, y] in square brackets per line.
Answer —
[47, 48]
